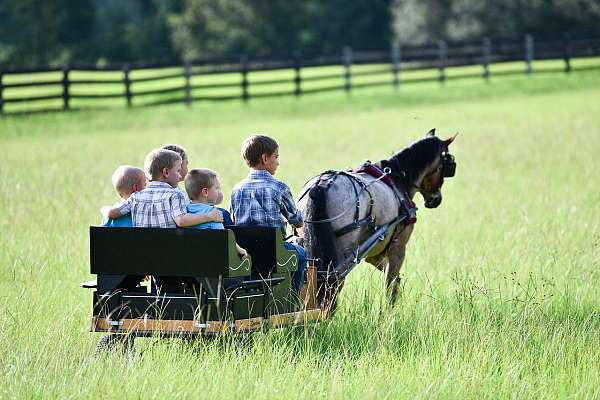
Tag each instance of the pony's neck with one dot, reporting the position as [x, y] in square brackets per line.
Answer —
[410, 164]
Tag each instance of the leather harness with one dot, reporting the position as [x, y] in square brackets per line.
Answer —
[407, 208]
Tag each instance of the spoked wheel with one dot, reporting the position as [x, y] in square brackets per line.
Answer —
[115, 342]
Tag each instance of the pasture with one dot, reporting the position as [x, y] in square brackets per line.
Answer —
[500, 294]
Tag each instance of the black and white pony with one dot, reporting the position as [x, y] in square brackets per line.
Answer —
[342, 210]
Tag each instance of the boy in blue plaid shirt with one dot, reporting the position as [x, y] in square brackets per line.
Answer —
[262, 200]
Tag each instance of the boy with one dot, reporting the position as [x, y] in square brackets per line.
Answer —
[204, 189]
[262, 200]
[184, 170]
[161, 204]
[126, 180]
[184, 158]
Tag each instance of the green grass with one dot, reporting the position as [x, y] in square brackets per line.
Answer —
[500, 284]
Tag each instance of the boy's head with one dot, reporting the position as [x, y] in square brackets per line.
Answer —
[127, 180]
[203, 185]
[183, 154]
[261, 152]
[163, 165]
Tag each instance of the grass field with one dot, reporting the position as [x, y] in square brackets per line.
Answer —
[500, 293]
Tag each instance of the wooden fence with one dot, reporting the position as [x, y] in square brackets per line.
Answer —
[386, 68]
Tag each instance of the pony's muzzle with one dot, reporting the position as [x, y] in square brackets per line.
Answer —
[434, 200]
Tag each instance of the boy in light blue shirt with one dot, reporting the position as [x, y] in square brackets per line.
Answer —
[204, 190]
[126, 180]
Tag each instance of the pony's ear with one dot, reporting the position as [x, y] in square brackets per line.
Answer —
[448, 141]
[430, 133]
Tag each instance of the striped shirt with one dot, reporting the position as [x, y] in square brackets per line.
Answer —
[156, 206]
[262, 200]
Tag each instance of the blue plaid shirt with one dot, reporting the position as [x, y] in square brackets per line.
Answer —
[262, 200]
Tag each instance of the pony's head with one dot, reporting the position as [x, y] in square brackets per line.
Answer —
[442, 166]
[422, 167]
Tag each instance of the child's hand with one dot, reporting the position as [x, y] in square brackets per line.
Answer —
[242, 252]
[216, 215]
[105, 210]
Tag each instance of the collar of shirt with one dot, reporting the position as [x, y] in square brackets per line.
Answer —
[260, 173]
[160, 184]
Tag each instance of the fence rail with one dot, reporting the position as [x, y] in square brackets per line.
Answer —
[167, 84]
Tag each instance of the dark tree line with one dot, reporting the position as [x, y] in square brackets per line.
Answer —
[54, 32]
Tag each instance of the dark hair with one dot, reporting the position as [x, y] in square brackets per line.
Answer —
[159, 159]
[198, 179]
[177, 149]
[255, 146]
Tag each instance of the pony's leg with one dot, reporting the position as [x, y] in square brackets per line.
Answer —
[396, 253]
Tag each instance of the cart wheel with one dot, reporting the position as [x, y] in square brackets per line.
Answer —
[114, 342]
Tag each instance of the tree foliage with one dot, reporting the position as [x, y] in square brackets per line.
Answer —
[53, 32]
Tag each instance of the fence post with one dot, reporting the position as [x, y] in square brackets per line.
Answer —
[297, 76]
[127, 83]
[567, 53]
[1, 93]
[486, 57]
[244, 62]
[443, 55]
[396, 57]
[65, 85]
[529, 53]
[347, 59]
[187, 72]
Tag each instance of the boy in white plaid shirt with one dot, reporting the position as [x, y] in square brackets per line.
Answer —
[161, 204]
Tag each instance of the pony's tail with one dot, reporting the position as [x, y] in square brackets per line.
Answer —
[319, 237]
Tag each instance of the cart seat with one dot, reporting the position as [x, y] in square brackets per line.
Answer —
[165, 252]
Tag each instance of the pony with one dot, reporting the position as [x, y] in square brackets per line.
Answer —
[344, 209]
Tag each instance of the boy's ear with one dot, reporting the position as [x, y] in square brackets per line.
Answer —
[204, 192]
[263, 158]
[165, 172]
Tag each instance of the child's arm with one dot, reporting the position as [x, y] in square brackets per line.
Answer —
[187, 219]
[110, 212]
[114, 212]
[288, 209]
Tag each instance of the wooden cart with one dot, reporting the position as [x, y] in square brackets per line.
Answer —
[192, 282]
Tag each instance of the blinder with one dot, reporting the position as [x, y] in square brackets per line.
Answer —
[448, 165]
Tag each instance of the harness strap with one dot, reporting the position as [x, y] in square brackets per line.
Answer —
[368, 220]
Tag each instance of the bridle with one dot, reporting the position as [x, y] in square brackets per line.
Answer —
[447, 165]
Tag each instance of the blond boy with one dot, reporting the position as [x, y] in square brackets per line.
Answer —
[204, 190]
[126, 181]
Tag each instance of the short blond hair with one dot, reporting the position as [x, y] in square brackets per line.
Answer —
[255, 146]
[198, 179]
[177, 149]
[125, 176]
[159, 159]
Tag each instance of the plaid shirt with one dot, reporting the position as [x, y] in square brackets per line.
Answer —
[262, 200]
[156, 206]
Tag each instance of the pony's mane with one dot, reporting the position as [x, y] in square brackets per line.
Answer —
[414, 158]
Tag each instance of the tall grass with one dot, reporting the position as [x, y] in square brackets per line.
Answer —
[500, 286]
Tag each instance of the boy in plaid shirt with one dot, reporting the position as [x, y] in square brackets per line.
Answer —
[161, 204]
[262, 200]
